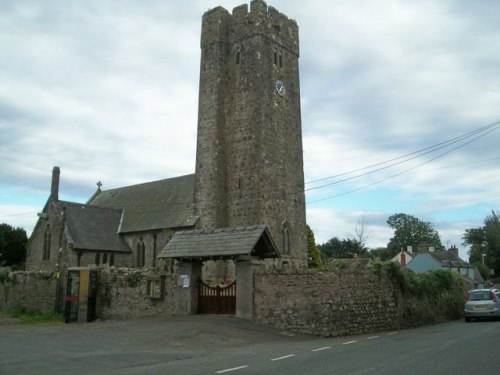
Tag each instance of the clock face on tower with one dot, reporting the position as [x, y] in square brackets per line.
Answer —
[280, 88]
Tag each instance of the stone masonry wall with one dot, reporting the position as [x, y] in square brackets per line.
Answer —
[345, 303]
[33, 290]
[122, 294]
[322, 303]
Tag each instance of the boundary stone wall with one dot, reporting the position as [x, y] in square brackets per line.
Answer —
[122, 294]
[34, 290]
[322, 303]
[345, 302]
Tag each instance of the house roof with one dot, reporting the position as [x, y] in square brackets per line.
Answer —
[221, 243]
[153, 205]
[92, 228]
[448, 259]
[407, 254]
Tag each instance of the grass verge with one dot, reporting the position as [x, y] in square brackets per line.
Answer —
[35, 317]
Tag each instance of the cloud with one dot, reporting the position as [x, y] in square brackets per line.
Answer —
[108, 91]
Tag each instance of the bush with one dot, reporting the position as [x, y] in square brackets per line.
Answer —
[430, 283]
[4, 274]
[134, 279]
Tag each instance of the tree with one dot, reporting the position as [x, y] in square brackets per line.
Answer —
[12, 246]
[314, 259]
[411, 231]
[485, 240]
[382, 253]
[361, 232]
[335, 248]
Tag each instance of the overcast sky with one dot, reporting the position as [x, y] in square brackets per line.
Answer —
[108, 91]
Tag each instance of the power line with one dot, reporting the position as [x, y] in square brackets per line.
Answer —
[407, 157]
[402, 172]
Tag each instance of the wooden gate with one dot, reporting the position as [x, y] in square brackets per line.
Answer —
[216, 299]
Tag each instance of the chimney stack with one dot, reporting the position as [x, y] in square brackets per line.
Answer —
[453, 250]
[54, 187]
[403, 259]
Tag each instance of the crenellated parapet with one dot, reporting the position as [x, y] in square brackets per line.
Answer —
[220, 26]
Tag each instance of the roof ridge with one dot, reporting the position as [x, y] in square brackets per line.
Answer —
[148, 183]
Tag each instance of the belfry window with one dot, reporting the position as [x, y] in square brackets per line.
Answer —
[285, 233]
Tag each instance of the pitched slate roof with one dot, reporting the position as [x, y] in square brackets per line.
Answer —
[153, 205]
[221, 243]
[448, 259]
[93, 228]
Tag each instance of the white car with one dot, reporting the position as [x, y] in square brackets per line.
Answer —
[482, 303]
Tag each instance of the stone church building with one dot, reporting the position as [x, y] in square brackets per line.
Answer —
[246, 197]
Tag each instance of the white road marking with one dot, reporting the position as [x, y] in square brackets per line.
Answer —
[349, 342]
[284, 357]
[392, 333]
[231, 369]
[373, 337]
[319, 349]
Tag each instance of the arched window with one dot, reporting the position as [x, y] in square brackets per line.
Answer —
[138, 255]
[46, 244]
[97, 258]
[285, 234]
[154, 250]
[141, 253]
[104, 258]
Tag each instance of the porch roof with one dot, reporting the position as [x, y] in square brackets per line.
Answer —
[223, 243]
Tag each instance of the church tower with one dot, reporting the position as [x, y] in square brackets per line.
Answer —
[249, 165]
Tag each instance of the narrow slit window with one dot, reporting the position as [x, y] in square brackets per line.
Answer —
[46, 244]
[275, 58]
[281, 61]
[238, 56]
[285, 232]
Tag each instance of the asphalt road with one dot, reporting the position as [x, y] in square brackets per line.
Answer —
[226, 345]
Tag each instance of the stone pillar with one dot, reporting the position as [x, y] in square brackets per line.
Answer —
[186, 296]
[245, 288]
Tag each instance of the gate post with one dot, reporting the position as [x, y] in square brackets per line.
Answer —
[245, 287]
[186, 296]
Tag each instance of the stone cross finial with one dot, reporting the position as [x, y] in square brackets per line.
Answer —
[99, 184]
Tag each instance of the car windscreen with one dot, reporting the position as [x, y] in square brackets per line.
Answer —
[479, 296]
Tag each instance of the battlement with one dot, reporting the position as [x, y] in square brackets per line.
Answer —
[220, 26]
